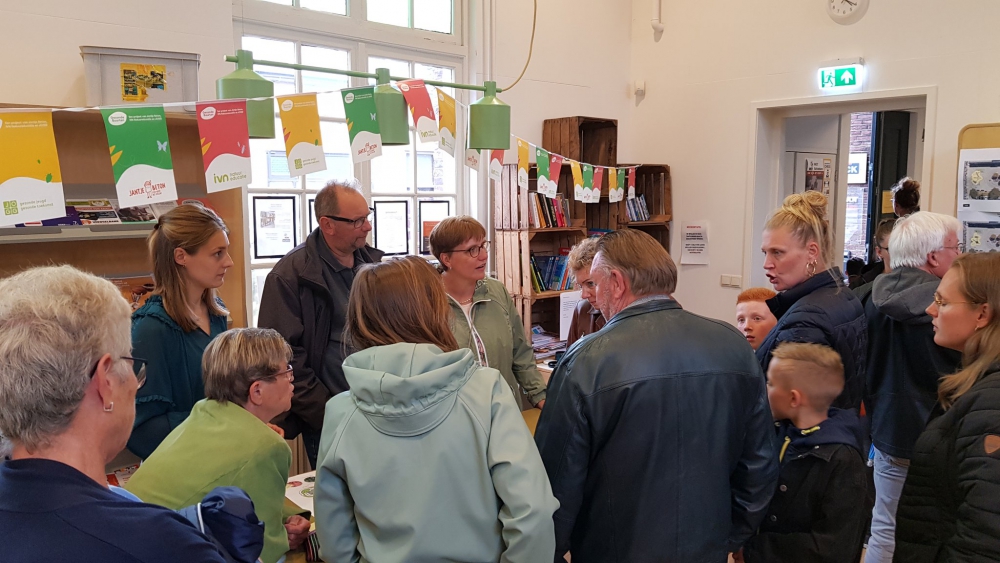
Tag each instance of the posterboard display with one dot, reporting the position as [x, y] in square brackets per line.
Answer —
[392, 219]
[275, 230]
[978, 187]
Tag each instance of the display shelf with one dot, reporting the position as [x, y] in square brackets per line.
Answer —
[550, 294]
[533, 231]
[73, 233]
[657, 221]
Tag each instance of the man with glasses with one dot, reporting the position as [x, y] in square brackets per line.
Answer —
[305, 299]
[904, 363]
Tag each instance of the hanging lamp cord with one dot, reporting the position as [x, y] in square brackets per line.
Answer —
[531, 46]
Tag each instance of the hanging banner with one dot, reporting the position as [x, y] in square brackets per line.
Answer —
[300, 128]
[446, 122]
[555, 168]
[631, 183]
[523, 162]
[140, 155]
[588, 183]
[362, 124]
[545, 185]
[574, 167]
[30, 179]
[496, 165]
[225, 144]
[620, 196]
[595, 194]
[415, 93]
[612, 185]
[472, 158]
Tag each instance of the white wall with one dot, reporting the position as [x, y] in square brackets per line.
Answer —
[717, 57]
[41, 41]
[814, 133]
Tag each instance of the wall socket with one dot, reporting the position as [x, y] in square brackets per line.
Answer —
[732, 281]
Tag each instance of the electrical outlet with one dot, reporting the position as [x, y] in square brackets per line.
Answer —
[726, 280]
[736, 281]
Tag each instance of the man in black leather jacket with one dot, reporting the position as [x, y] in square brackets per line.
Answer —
[657, 435]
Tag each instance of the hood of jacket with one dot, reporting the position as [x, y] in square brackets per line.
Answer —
[841, 427]
[904, 294]
[407, 389]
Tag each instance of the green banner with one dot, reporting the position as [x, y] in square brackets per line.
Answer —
[140, 155]
[362, 123]
[545, 185]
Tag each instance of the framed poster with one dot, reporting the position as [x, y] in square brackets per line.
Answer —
[981, 236]
[429, 214]
[313, 221]
[274, 225]
[392, 226]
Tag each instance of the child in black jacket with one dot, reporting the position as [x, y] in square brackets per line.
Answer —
[819, 511]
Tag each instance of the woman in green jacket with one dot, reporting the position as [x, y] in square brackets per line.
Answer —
[226, 441]
[485, 318]
[427, 457]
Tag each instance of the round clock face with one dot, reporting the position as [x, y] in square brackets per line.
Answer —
[846, 12]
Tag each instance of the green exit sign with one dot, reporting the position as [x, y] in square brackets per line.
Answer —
[841, 77]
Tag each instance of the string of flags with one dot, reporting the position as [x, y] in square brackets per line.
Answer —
[140, 154]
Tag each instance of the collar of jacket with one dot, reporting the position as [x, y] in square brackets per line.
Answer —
[782, 302]
[479, 295]
[635, 309]
[312, 272]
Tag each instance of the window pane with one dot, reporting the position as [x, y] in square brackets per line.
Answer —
[431, 72]
[257, 278]
[432, 15]
[330, 105]
[393, 171]
[392, 12]
[392, 225]
[396, 67]
[337, 149]
[268, 163]
[435, 169]
[273, 50]
[332, 6]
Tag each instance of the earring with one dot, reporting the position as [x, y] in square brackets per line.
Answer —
[811, 272]
[110, 407]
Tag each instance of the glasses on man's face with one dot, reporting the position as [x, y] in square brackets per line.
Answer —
[138, 368]
[475, 250]
[960, 248]
[357, 223]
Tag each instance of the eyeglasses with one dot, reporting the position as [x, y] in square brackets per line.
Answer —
[289, 372]
[941, 302]
[475, 250]
[960, 248]
[356, 222]
[140, 373]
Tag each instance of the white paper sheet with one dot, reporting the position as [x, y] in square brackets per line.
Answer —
[567, 304]
[300, 490]
[695, 239]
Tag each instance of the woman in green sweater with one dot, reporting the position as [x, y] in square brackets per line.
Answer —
[226, 441]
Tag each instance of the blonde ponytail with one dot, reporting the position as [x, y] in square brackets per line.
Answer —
[805, 216]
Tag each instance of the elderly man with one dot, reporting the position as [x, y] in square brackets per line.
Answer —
[305, 299]
[586, 318]
[657, 435]
[904, 363]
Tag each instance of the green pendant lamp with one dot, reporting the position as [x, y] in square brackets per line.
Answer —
[489, 121]
[391, 110]
[245, 83]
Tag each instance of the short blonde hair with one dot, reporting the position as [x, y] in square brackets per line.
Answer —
[804, 215]
[814, 370]
[56, 323]
[237, 358]
[761, 294]
[582, 255]
[639, 257]
[453, 231]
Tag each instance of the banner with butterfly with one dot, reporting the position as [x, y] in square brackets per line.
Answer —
[140, 155]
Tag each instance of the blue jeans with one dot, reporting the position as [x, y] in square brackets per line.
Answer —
[890, 474]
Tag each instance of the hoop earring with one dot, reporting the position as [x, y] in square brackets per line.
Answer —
[110, 407]
[813, 271]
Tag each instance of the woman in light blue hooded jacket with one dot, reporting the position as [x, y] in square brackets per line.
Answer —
[427, 457]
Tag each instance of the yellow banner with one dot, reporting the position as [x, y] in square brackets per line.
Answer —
[300, 129]
[30, 179]
[446, 121]
[523, 162]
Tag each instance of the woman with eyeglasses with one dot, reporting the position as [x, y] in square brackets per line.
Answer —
[486, 320]
[189, 250]
[949, 508]
[226, 441]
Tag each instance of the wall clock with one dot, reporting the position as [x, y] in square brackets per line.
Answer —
[846, 12]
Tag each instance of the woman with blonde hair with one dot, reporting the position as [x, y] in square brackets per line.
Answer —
[189, 249]
[226, 441]
[427, 457]
[812, 304]
[485, 319]
[948, 510]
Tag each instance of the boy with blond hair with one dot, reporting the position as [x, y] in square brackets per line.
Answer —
[819, 511]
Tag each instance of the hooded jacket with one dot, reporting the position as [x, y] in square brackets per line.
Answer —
[821, 310]
[820, 510]
[904, 363]
[427, 458]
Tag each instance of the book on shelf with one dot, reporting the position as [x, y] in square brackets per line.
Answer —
[637, 209]
[137, 214]
[550, 272]
[545, 344]
[95, 211]
[135, 289]
[71, 218]
[546, 213]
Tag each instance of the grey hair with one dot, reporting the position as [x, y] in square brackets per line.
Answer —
[917, 235]
[55, 324]
[327, 202]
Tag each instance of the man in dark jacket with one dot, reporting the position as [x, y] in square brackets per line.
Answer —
[904, 363]
[656, 434]
[305, 299]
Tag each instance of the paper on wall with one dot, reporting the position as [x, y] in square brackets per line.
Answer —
[567, 306]
[694, 236]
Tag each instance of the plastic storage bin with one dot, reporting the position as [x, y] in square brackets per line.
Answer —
[123, 76]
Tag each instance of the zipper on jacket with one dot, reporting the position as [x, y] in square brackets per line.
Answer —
[477, 341]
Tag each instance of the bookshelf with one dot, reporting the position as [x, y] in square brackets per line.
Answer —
[120, 250]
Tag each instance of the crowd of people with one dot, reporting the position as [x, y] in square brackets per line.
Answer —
[663, 435]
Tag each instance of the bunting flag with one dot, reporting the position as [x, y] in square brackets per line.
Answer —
[362, 124]
[555, 169]
[30, 179]
[595, 194]
[588, 183]
[300, 128]
[472, 158]
[612, 185]
[225, 144]
[542, 162]
[496, 165]
[620, 196]
[446, 122]
[523, 162]
[631, 183]
[574, 167]
[415, 93]
[140, 155]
